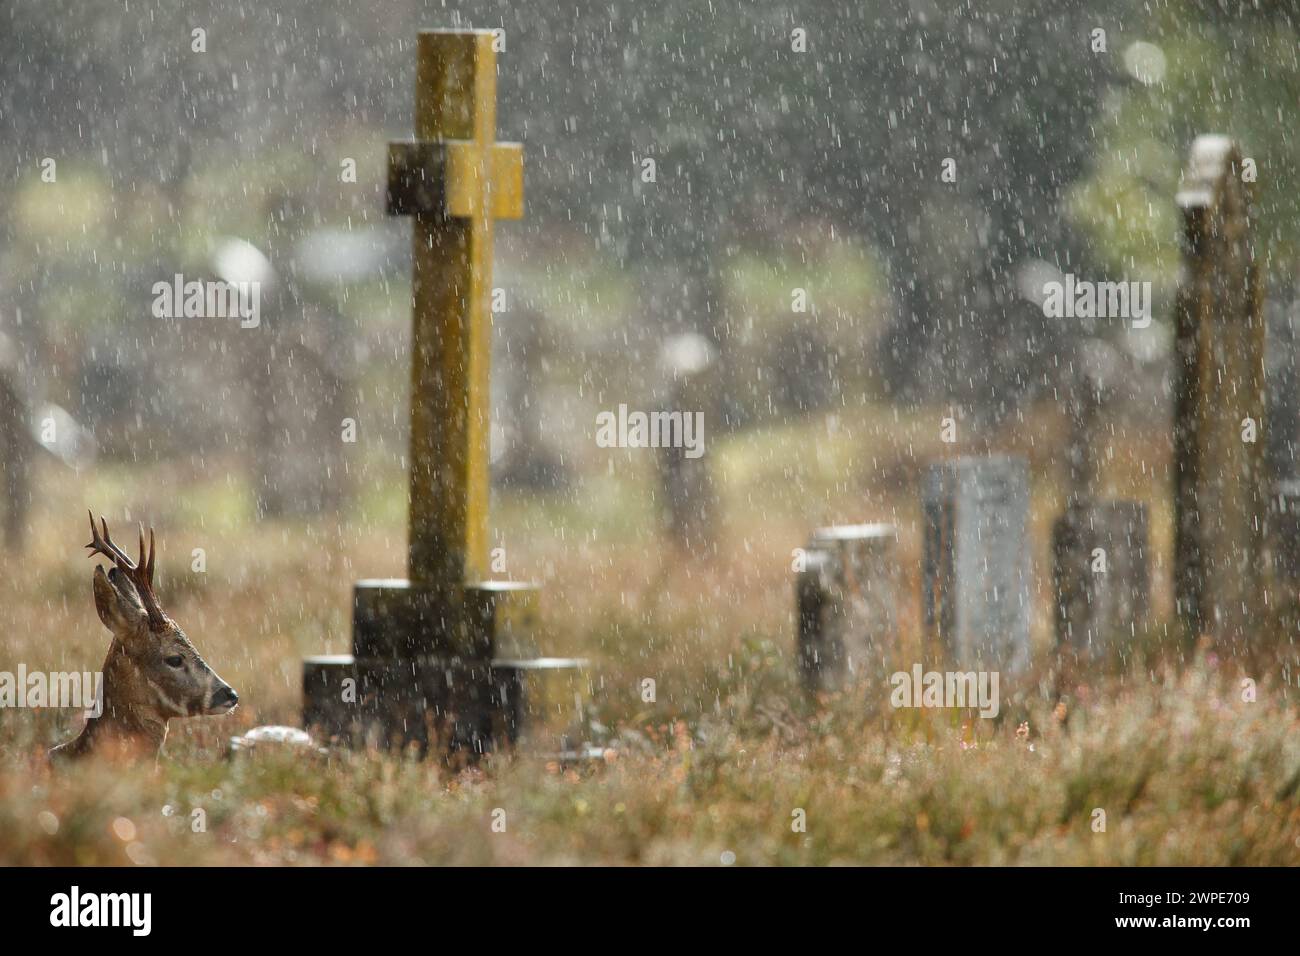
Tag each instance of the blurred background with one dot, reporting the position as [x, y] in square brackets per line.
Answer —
[796, 267]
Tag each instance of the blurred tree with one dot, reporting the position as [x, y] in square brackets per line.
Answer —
[750, 129]
[16, 448]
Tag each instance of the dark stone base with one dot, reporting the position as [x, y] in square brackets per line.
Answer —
[437, 704]
[433, 703]
[396, 618]
[441, 672]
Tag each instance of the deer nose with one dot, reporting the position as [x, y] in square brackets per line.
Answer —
[225, 697]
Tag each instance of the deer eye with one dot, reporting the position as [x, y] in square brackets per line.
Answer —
[174, 661]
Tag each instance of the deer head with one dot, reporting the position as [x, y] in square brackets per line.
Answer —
[152, 672]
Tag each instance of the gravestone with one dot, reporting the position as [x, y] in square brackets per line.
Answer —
[527, 461]
[1099, 547]
[329, 698]
[1220, 496]
[690, 502]
[299, 452]
[975, 573]
[846, 595]
[294, 363]
[1101, 575]
[438, 657]
[1094, 377]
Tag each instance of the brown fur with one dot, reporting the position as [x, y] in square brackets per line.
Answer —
[152, 672]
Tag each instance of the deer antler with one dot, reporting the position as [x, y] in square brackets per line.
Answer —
[138, 572]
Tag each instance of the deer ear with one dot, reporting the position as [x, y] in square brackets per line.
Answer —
[120, 615]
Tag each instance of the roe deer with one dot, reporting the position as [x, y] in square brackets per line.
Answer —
[152, 672]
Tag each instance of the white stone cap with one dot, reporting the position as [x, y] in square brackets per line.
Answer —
[855, 532]
[1206, 165]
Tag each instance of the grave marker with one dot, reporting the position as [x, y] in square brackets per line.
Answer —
[438, 657]
[528, 461]
[454, 181]
[1096, 371]
[846, 598]
[1220, 499]
[975, 576]
[1099, 547]
[690, 501]
[296, 372]
[1101, 575]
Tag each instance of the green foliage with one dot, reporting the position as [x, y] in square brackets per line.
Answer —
[1236, 77]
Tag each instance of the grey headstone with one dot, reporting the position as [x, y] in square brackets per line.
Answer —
[976, 563]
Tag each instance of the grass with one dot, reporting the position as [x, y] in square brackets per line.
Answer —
[727, 760]
[1185, 773]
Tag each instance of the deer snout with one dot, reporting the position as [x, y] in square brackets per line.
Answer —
[224, 700]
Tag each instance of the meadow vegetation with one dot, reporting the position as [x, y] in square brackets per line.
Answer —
[1185, 769]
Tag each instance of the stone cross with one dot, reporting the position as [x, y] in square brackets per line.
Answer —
[440, 656]
[1220, 499]
[454, 180]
